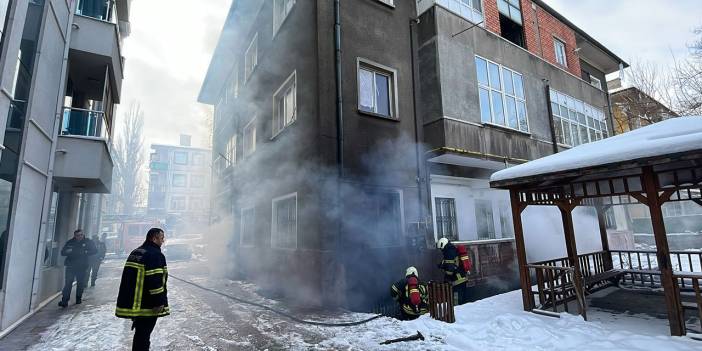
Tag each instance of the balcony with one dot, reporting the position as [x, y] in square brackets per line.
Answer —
[83, 158]
[96, 43]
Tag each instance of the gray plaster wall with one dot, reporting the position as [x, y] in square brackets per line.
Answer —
[451, 66]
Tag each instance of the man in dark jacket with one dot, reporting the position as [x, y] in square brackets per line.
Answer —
[142, 292]
[96, 260]
[453, 270]
[411, 294]
[77, 252]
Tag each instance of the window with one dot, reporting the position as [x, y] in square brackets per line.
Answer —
[501, 94]
[376, 90]
[471, 10]
[197, 181]
[251, 57]
[511, 21]
[446, 218]
[180, 180]
[197, 203]
[576, 122]
[595, 82]
[560, 49]
[247, 227]
[250, 138]
[506, 225]
[285, 104]
[281, 9]
[198, 159]
[484, 219]
[284, 226]
[234, 83]
[374, 217]
[51, 249]
[180, 158]
[178, 203]
[389, 2]
[230, 158]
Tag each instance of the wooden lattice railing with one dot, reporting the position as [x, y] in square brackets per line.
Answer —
[557, 286]
[441, 302]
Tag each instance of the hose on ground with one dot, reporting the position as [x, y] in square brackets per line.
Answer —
[282, 313]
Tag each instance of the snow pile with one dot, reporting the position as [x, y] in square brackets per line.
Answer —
[499, 323]
[667, 137]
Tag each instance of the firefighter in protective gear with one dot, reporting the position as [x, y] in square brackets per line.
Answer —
[454, 268]
[142, 293]
[411, 294]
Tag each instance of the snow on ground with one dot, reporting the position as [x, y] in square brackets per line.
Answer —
[204, 321]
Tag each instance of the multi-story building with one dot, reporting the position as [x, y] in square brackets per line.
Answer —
[179, 186]
[633, 109]
[350, 135]
[60, 76]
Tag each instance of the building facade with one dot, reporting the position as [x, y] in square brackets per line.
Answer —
[633, 109]
[350, 136]
[179, 187]
[60, 76]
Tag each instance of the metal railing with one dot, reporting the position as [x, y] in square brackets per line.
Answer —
[78, 121]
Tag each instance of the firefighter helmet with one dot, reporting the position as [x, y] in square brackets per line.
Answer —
[411, 271]
[442, 243]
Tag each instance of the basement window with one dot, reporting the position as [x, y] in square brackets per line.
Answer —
[446, 219]
[511, 25]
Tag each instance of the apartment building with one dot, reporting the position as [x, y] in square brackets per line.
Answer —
[633, 109]
[61, 72]
[350, 136]
[179, 186]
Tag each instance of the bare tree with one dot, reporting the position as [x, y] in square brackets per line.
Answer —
[129, 159]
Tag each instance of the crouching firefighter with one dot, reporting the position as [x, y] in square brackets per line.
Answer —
[142, 292]
[411, 294]
[456, 266]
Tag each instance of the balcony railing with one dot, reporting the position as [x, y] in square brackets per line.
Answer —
[78, 121]
[103, 10]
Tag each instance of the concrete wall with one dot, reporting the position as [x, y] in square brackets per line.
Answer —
[34, 176]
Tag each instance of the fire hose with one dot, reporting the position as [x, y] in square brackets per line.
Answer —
[268, 308]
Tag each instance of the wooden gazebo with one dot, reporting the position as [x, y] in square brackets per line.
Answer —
[650, 166]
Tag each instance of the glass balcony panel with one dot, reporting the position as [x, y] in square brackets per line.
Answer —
[103, 10]
[83, 122]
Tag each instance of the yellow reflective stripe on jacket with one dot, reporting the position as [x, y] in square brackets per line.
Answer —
[156, 291]
[139, 286]
[126, 312]
[155, 271]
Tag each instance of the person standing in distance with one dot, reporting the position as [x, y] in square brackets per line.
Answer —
[143, 296]
[96, 260]
[77, 251]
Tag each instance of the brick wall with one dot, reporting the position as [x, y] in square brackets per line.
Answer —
[548, 28]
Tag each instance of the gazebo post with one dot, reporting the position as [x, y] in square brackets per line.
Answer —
[569, 231]
[524, 276]
[603, 237]
[670, 285]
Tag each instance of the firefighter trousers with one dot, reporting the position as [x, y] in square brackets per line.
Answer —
[143, 326]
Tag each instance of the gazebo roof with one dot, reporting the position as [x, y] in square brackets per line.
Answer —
[661, 143]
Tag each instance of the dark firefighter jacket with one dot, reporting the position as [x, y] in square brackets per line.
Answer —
[453, 270]
[400, 293]
[143, 284]
[78, 252]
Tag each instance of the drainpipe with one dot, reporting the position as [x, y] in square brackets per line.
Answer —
[550, 117]
[339, 90]
[419, 155]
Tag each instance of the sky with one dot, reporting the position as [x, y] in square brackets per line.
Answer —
[171, 44]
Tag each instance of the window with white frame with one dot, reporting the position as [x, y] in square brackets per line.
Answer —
[251, 57]
[560, 48]
[281, 9]
[446, 219]
[230, 158]
[576, 122]
[180, 180]
[250, 138]
[501, 95]
[376, 90]
[284, 222]
[511, 9]
[471, 10]
[197, 181]
[595, 82]
[248, 221]
[285, 104]
[198, 159]
[180, 158]
[389, 2]
[178, 203]
[484, 219]
[234, 82]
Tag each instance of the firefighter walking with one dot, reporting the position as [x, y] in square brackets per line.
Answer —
[411, 294]
[142, 291]
[456, 265]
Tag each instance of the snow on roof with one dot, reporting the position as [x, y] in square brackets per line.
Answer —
[667, 137]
